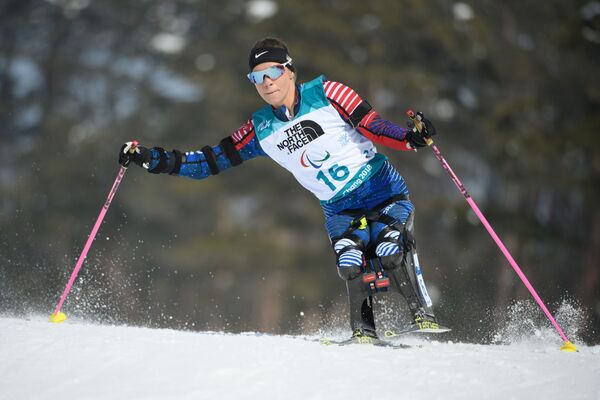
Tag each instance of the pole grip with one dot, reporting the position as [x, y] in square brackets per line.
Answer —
[416, 120]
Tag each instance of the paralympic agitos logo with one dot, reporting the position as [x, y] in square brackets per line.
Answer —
[305, 161]
[299, 135]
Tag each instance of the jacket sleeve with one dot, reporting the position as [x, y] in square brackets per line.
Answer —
[232, 151]
[359, 114]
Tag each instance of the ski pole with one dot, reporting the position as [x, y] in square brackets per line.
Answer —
[59, 316]
[417, 120]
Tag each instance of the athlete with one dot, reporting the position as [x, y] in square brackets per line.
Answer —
[324, 133]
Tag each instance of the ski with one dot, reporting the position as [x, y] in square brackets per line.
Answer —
[365, 340]
[417, 328]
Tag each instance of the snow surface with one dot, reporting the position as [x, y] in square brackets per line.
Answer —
[83, 360]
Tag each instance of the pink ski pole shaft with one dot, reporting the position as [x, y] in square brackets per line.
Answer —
[487, 225]
[91, 238]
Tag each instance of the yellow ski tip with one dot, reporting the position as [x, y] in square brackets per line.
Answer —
[569, 347]
[58, 317]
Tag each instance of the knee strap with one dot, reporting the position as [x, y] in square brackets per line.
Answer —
[349, 253]
[397, 234]
[349, 257]
[389, 244]
[347, 239]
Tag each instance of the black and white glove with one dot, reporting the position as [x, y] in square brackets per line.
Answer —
[416, 138]
[132, 151]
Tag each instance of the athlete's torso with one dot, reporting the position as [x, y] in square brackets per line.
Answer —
[323, 152]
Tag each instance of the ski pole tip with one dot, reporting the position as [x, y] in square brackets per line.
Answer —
[58, 317]
[569, 347]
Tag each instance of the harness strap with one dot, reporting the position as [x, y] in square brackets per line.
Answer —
[177, 162]
[362, 217]
[231, 152]
[387, 202]
[211, 159]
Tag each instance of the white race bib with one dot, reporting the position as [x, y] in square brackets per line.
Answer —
[325, 154]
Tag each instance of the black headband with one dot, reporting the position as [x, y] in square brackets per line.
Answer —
[268, 54]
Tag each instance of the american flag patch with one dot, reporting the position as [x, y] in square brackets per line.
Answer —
[343, 95]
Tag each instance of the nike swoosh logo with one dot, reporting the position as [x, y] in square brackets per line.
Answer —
[260, 54]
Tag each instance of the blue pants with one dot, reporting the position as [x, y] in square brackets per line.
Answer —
[351, 244]
[384, 185]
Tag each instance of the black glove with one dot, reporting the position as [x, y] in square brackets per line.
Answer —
[132, 151]
[416, 138]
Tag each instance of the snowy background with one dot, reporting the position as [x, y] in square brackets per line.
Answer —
[82, 360]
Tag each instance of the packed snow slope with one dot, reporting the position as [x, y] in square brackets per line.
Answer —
[81, 360]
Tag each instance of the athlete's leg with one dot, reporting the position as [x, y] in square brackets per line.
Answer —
[349, 240]
[349, 244]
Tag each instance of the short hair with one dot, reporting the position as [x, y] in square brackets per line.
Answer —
[271, 41]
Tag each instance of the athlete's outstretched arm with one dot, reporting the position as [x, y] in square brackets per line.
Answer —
[233, 150]
[241, 146]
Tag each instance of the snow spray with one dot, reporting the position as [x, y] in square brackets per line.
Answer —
[59, 316]
[417, 120]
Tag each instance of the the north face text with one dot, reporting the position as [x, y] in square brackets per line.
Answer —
[300, 135]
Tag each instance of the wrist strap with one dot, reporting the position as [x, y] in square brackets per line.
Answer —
[177, 156]
[162, 161]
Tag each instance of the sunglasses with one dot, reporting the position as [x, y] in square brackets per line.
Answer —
[273, 73]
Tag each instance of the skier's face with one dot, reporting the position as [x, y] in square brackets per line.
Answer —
[277, 91]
